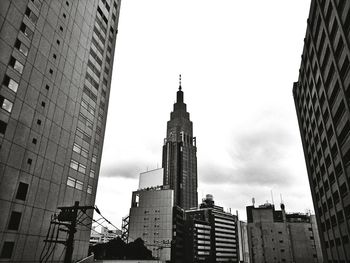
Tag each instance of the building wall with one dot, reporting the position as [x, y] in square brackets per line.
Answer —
[153, 178]
[151, 219]
[302, 242]
[321, 97]
[224, 236]
[243, 242]
[53, 106]
[212, 235]
[290, 238]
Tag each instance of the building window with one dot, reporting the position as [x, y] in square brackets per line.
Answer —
[74, 165]
[92, 173]
[82, 168]
[37, 3]
[90, 94]
[89, 189]
[7, 249]
[16, 65]
[91, 80]
[80, 133]
[22, 191]
[80, 150]
[79, 185]
[88, 107]
[77, 166]
[5, 104]
[3, 126]
[29, 13]
[21, 47]
[71, 182]
[75, 183]
[94, 158]
[10, 83]
[15, 219]
[26, 31]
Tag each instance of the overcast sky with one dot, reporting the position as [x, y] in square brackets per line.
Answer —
[238, 61]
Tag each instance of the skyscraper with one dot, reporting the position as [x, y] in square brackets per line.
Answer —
[180, 155]
[56, 60]
[321, 97]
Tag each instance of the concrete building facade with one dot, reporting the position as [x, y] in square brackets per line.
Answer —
[180, 156]
[275, 236]
[321, 97]
[212, 234]
[153, 218]
[56, 60]
[243, 242]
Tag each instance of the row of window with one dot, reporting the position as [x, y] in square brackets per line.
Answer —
[78, 184]
[90, 108]
[91, 80]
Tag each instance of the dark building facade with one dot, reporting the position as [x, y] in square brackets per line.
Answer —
[56, 60]
[180, 156]
[321, 97]
[275, 236]
[211, 234]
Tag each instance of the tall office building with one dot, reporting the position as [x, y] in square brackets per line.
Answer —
[56, 60]
[180, 156]
[321, 97]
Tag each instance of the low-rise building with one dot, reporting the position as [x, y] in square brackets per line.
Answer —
[104, 236]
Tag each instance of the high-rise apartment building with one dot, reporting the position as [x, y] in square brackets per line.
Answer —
[56, 60]
[180, 156]
[321, 97]
[275, 236]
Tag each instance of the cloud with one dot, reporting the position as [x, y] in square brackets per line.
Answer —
[129, 170]
[258, 156]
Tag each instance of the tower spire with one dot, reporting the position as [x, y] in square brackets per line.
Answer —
[180, 82]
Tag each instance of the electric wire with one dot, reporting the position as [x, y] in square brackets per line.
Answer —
[50, 243]
[54, 247]
[47, 236]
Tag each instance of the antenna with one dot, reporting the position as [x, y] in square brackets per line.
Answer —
[253, 201]
[180, 82]
[273, 202]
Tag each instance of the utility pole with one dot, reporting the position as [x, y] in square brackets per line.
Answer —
[68, 218]
[71, 231]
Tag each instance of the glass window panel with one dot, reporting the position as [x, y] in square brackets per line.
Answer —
[92, 173]
[79, 185]
[82, 168]
[7, 105]
[13, 85]
[84, 152]
[74, 165]
[89, 189]
[76, 148]
[71, 182]
[18, 66]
